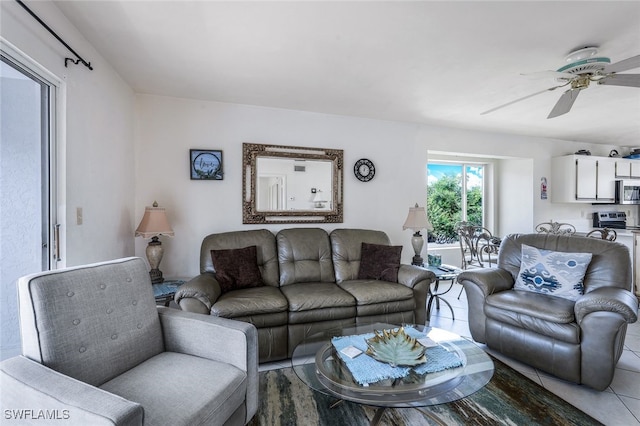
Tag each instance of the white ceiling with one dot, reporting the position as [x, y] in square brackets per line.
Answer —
[440, 63]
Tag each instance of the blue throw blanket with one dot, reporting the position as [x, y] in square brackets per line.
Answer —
[366, 370]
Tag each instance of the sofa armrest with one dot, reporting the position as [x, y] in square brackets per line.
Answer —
[199, 294]
[609, 299]
[419, 280]
[32, 392]
[411, 275]
[221, 339]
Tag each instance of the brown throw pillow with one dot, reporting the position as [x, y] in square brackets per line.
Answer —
[379, 262]
[237, 268]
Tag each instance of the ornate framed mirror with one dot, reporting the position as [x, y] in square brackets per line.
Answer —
[290, 184]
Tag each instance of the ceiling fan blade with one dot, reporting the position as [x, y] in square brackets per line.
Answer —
[625, 64]
[565, 103]
[629, 80]
[522, 99]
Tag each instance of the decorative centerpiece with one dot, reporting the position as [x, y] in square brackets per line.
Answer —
[396, 348]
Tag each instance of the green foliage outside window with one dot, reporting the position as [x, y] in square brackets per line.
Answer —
[444, 207]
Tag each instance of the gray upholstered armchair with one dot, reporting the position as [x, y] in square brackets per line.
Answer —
[97, 350]
[578, 340]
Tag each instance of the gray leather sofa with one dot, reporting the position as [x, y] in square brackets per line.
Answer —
[310, 284]
[97, 351]
[580, 341]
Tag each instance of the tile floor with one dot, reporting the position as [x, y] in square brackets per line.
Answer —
[618, 405]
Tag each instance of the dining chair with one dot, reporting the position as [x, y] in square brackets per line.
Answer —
[555, 228]
[478, 247]
[607, 234]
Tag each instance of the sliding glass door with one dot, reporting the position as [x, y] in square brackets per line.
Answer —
[27, 186]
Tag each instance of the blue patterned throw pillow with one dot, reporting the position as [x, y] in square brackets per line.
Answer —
[554, 273]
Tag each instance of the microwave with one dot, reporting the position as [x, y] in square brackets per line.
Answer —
[628, 191]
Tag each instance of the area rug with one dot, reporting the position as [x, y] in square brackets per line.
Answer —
[508, 399]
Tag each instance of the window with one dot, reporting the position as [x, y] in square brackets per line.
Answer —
[455, 193]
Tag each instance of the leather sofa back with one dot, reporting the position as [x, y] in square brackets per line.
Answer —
[265, 244]
[304, 255]
[610, 265]
[346, 245]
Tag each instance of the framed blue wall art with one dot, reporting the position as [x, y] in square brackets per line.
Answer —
[206, 164]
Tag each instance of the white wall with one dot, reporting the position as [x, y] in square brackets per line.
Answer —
[517, 193]
[96, 145]
[167, 128]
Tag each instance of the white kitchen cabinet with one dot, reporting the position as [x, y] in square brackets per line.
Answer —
[606, 181]
[623, 169]
[627, 169]
[583, 179]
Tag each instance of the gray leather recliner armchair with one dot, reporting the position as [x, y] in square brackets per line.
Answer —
[98, 351]
[577, 341]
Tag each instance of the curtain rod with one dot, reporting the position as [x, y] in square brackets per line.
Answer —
[66, 60]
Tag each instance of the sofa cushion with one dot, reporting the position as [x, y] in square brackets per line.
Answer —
[554, 273]
[369, 292]
[310, 302]
[375, 297]
[304, 255]
[346, 248]
[545, 315]
[309, 296]
[379, 262]
[265, 243]
[237, 268]
[209, 391]
[250, 301]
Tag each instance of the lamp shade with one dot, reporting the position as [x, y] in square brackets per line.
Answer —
[417, 219]
[319, 197]
[153, 223]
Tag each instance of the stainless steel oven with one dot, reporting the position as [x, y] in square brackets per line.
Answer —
[628, 192]
[612, 219]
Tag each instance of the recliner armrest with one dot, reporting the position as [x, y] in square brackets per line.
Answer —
[33, 392]
[199, 294]
[611, 299]
[488, 280]
[478, 284]
[410, 275]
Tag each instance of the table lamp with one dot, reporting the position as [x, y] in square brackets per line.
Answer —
[153, 224]
[417, 220]
[319, 200]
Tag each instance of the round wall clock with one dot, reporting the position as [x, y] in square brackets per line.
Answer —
[364, 170]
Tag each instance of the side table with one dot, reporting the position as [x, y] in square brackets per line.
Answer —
[443, 273]
[165, 291]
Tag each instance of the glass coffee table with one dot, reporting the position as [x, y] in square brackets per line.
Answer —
[317, 364]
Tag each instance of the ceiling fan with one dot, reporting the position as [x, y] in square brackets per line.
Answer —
[583, 69]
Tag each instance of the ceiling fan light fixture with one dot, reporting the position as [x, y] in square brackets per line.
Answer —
[580, 54]
[586, 66]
